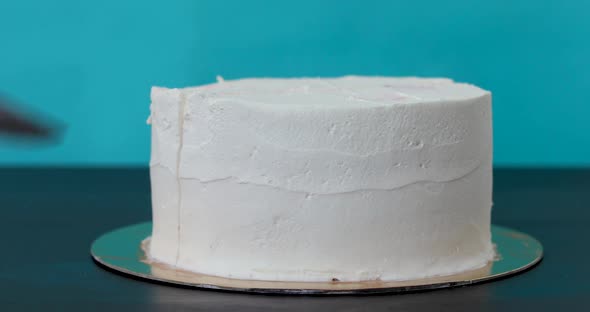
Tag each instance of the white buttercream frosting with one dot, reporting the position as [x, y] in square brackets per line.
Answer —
[352, 178]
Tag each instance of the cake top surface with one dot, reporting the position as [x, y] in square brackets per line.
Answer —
[348, 91]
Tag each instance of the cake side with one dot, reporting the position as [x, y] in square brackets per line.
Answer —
[165, 185]
[395, 187]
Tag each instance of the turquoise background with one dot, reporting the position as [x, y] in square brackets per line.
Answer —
[90, 64]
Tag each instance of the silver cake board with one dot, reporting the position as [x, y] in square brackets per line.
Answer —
[122, 250]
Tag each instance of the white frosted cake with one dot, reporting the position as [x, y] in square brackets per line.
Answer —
[347, 179]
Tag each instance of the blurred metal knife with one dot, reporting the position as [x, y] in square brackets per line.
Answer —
[16, 124]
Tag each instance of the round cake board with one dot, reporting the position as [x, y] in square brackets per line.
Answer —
[123, 250]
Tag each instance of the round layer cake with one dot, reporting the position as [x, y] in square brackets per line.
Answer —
[344, 179]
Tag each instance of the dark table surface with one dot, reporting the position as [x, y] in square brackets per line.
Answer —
[51, 216]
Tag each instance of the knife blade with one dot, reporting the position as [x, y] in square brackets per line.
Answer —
[13, 123]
